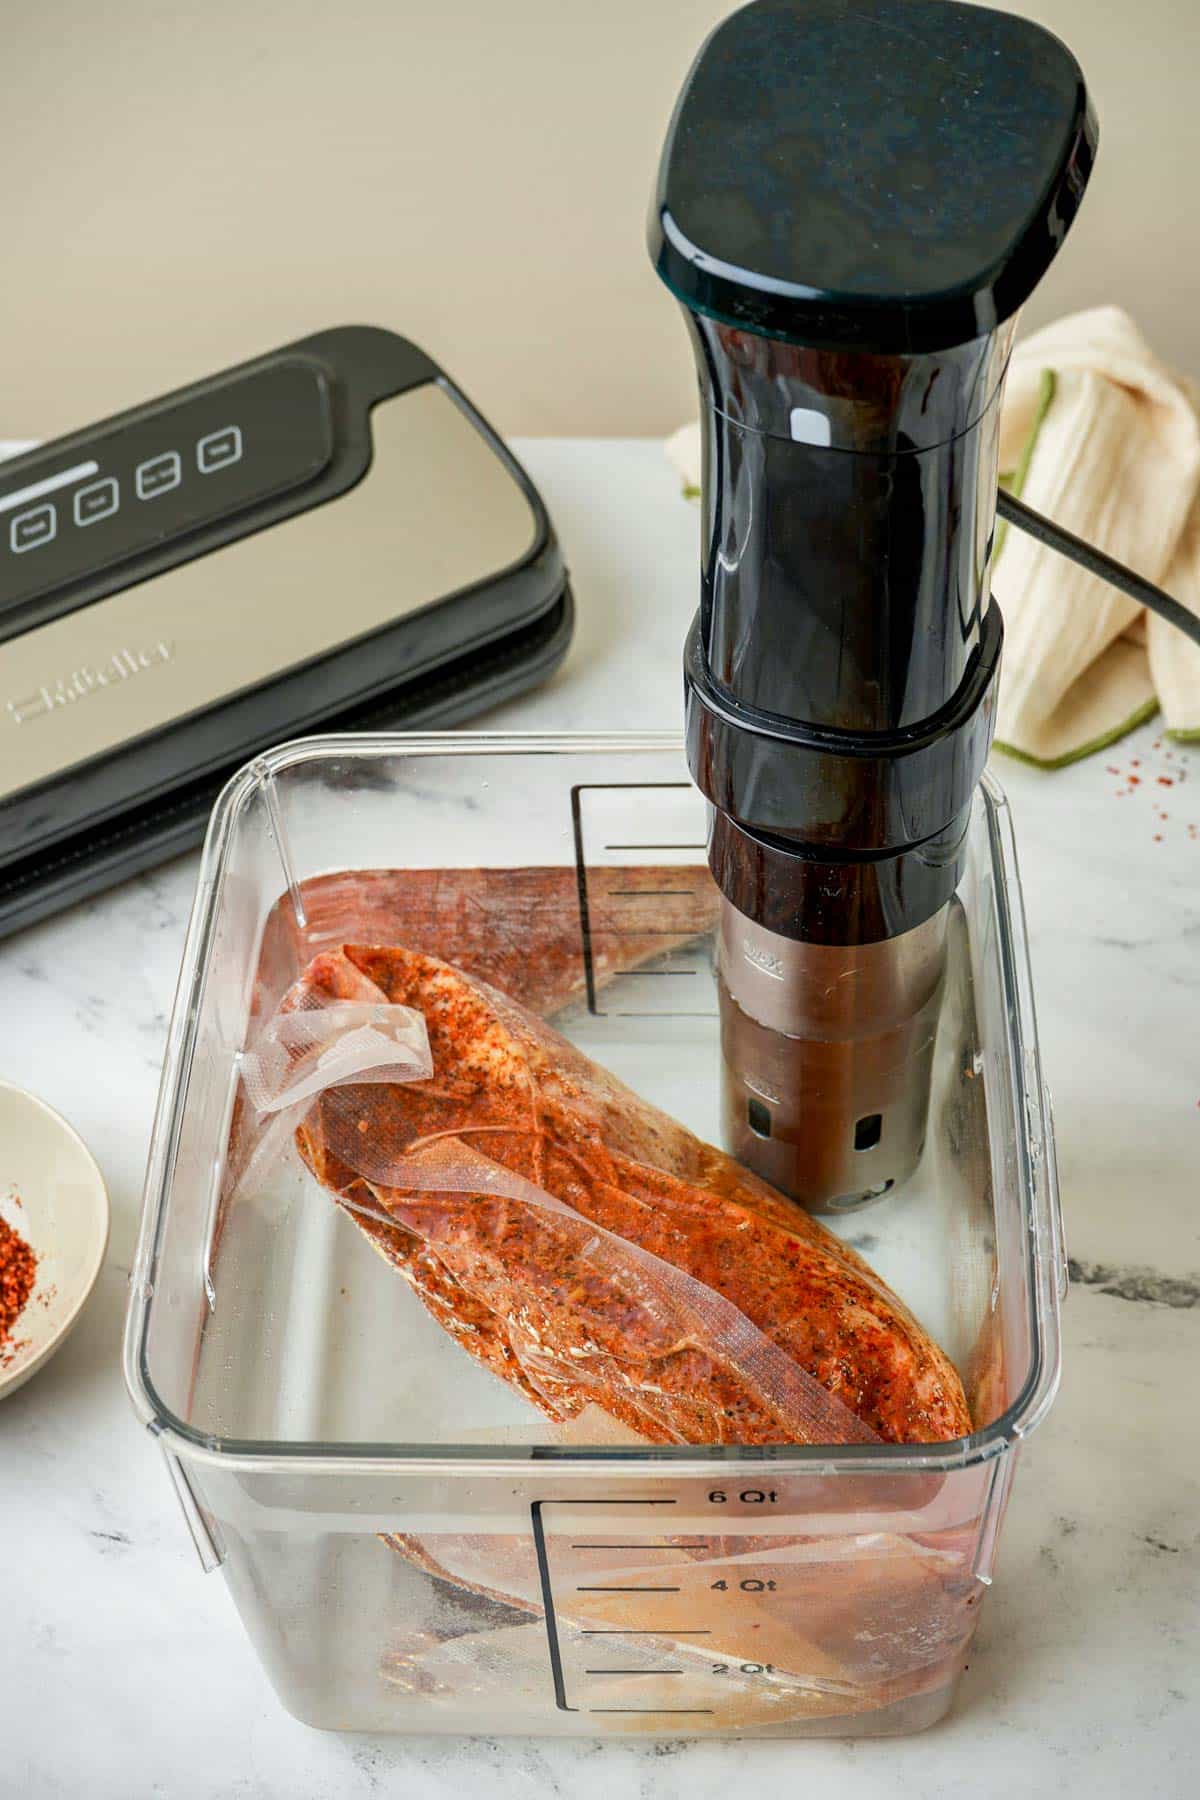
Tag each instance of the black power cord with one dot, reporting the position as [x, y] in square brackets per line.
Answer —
[1097, 563]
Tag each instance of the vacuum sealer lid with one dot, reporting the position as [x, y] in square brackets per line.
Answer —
[325, 535]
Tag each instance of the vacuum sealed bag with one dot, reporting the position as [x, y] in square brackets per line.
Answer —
[583, 1246]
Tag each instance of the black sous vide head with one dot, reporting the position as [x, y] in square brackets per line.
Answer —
[854, 199]
[892, 176]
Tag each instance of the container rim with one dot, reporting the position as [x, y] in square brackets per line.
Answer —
[1035, 1154]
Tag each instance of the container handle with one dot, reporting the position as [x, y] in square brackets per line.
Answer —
[270, 794]
[206, 1535]
[1058, 1236]
[992, 1518]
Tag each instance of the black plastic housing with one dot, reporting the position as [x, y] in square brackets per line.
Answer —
[854, 198]
[884, 175]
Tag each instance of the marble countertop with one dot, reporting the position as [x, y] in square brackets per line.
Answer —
[125, 1671]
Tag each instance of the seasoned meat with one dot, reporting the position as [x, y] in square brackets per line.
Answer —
[519, 1285]
[870, 1618]
[519, 929]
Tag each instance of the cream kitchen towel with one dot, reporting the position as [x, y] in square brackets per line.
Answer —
[1097, 434]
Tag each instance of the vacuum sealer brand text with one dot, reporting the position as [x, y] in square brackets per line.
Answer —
[121, 666]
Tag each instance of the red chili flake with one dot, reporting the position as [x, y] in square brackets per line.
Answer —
[1111, 769]
[1158, 837]
[1135, 762]
[1164, 781]
[1135, 781]
[18, 1271]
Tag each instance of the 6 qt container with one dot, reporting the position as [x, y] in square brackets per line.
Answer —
[410, 1547]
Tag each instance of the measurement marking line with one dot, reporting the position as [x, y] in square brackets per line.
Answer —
[701, 1544]
[645, 1672]
[637, 974]
[628, 1590]
[556, 1668]
[581, 893]
[644, 1631]
[543, 1563]
[653, 1709]
[656, 846]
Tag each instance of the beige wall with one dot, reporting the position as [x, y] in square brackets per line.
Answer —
[188, 184]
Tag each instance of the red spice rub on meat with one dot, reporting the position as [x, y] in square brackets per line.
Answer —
[502, 1275]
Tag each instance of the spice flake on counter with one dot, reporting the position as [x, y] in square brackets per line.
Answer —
[18, 1272]
[1142, 776]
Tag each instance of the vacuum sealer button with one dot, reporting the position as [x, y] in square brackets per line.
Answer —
[31, 529]
[99, 500]
[158, 475]
[219, 449]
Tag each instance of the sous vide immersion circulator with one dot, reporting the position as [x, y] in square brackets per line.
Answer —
[854, 200]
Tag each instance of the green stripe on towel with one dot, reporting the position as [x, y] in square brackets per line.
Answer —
[1102, 742]
[1015, 481]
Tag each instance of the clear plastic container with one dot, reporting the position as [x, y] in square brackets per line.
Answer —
[410, 1547]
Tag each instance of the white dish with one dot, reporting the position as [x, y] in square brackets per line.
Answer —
[53, 1194]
